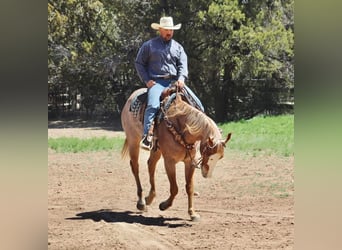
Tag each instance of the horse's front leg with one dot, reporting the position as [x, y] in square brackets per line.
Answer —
[152, 163]
[170, 168]
[189, 186]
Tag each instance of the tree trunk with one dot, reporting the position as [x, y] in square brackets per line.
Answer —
[228, 92]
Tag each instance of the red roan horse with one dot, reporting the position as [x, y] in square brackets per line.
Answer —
[182, 132]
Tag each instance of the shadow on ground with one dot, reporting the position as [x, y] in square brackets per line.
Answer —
[106, 124]
[128, 217]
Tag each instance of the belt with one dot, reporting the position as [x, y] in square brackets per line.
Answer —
[165, 77]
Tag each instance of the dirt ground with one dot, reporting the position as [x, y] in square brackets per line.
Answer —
[247, 204]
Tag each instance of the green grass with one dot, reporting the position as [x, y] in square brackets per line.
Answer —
[266, 134]
[269, 134]
[75, 145]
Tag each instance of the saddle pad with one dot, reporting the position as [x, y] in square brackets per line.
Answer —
[137, 102]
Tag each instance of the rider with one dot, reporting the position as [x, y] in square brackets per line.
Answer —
[161, 61]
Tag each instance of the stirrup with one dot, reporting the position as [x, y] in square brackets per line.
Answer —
[146, 143]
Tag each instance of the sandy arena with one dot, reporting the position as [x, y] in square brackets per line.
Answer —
[247, 204]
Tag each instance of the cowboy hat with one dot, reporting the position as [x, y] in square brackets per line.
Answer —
[166, 22]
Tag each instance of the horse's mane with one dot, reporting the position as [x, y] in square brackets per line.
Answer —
[196, 122]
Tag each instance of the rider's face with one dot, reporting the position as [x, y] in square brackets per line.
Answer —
[166, 34]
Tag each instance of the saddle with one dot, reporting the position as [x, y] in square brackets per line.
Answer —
[138, 104]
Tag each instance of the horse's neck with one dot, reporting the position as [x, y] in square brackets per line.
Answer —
[209, 129]
[214, 132]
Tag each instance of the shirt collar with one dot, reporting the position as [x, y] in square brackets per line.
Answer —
[163, 41]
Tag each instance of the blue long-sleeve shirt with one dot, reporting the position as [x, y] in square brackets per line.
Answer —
[157, 58]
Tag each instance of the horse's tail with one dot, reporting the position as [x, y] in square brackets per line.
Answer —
[124, 149]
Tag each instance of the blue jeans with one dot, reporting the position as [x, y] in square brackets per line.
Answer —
[153, 102]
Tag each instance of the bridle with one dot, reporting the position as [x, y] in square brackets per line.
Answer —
[209, 148]
[206, 150]
[179, 137]
[181, 140]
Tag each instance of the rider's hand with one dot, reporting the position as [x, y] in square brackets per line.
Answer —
[150, 83]
[180, 84]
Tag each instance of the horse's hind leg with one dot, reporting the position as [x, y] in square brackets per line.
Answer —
[134, 156]
[152, 163]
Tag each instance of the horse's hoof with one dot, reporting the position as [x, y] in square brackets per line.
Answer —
[141, 207]
[195, 217]
[163, 206]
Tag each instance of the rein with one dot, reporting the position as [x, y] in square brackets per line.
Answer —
[179, 137]
[208, 148]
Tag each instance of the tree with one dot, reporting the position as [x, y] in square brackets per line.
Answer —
[240, 52]
[248, 41]
[81, 38]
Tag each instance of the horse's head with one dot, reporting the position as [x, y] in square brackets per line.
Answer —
[211, 152]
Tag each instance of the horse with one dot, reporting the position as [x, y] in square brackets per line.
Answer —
[184, 134]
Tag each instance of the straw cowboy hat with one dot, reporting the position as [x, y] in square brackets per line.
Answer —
[166, 23]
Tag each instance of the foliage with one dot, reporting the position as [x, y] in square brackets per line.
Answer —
[247, 42]
[240, 52]
[262, 134]
[269, 135]
[76, 145]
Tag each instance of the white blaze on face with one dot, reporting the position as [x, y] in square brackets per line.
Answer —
[213, 159]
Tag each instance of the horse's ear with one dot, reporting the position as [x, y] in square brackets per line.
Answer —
[210, 142]
[227, 139]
